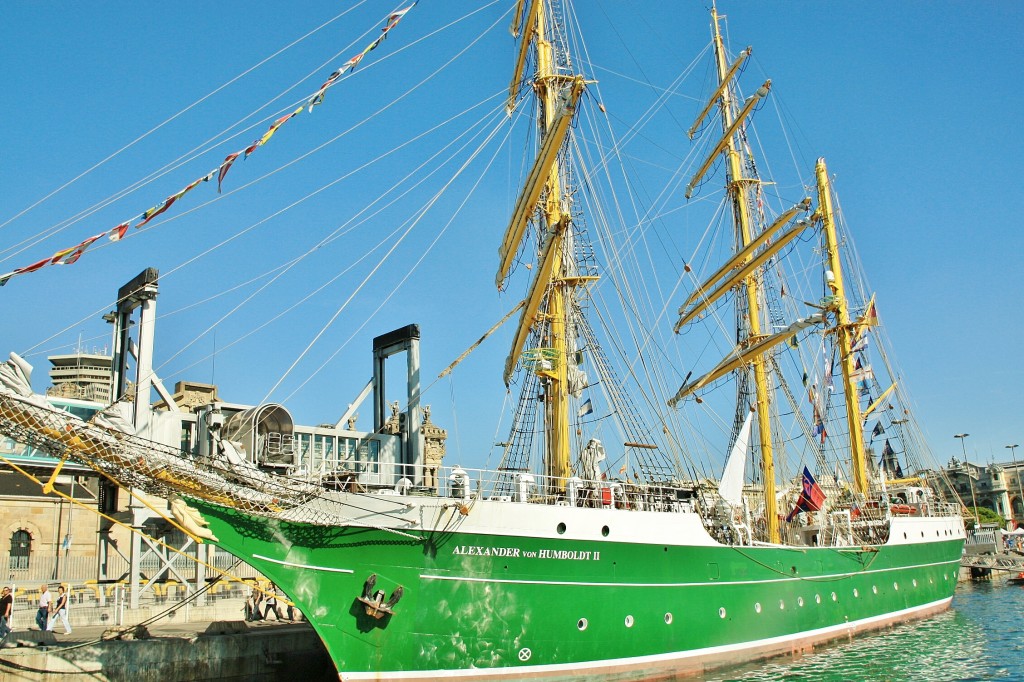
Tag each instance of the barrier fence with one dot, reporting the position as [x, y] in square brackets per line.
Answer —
[96, 601]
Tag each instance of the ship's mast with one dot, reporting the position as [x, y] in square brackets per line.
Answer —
[738, 187]
[550, 299]
[844, 329]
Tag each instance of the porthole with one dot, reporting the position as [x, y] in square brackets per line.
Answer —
[721, 612]
[561, 529]
[817, 598]
[834, 597]
[874, 588]
[757, 607]
[782, 605]
[896, 586]
[799, 601]
[914, 582]
[668, 619]
[629, 621]
[943, 576]
[855, 593]
[582, 624]
[904, 536]
[605, 531]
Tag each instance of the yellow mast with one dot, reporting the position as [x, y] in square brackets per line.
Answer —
[844, 329]
[558, 94]
[737, 186]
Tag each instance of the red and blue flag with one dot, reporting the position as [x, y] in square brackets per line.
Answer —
[812, 497]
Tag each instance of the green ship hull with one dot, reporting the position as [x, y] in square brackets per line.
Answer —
[477, 605]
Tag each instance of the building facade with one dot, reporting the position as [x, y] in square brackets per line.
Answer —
[999, 487]
[84, 376]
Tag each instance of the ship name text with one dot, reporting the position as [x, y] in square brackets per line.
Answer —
[516, 552]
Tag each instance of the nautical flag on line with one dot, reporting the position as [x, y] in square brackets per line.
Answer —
[157, 210]
[862, 375]
[80, 249]
[878, 430]
[812, 497]
[224, 168]
[277, 124]
[819, 425]
[31, 268]
[117, 233]
[586, 408]
[871, 314]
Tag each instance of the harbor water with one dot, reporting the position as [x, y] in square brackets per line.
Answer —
[980, 638]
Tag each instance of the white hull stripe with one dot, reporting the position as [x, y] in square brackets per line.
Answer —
[312, 568]
[709, 583]
[525, 672]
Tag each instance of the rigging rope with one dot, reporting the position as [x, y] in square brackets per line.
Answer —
[161, 125]
[71, 255]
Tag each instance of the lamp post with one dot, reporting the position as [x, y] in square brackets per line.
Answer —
[1016, 471]
[970, 479]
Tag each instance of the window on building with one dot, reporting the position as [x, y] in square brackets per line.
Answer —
[21, 548]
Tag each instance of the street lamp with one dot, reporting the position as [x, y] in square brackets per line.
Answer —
[970, 479]
[1020, 490]
[963, 448]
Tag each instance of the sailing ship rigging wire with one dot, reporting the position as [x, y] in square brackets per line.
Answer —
[338, 232]
[596, 176]
[214, 141]
[86, 212]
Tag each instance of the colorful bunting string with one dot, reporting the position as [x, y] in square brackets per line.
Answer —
[70, 255]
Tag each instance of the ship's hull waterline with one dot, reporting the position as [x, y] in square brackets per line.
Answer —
[545, 601]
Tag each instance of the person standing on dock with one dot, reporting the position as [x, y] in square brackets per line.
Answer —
[60, 610]
[252, 604]
[6, 609]
[43, 614]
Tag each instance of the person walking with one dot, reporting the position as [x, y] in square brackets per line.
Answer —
[60, 610]
[272, 603]
[257, 603]
[43, 614]
[6, 609]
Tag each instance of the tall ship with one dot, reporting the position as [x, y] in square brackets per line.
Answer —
[757, 488]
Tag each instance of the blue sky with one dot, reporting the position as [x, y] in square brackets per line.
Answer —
[915, 105]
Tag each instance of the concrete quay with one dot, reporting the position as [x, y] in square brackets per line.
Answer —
[225, 651]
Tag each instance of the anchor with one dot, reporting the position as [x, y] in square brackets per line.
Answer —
[374, 602]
